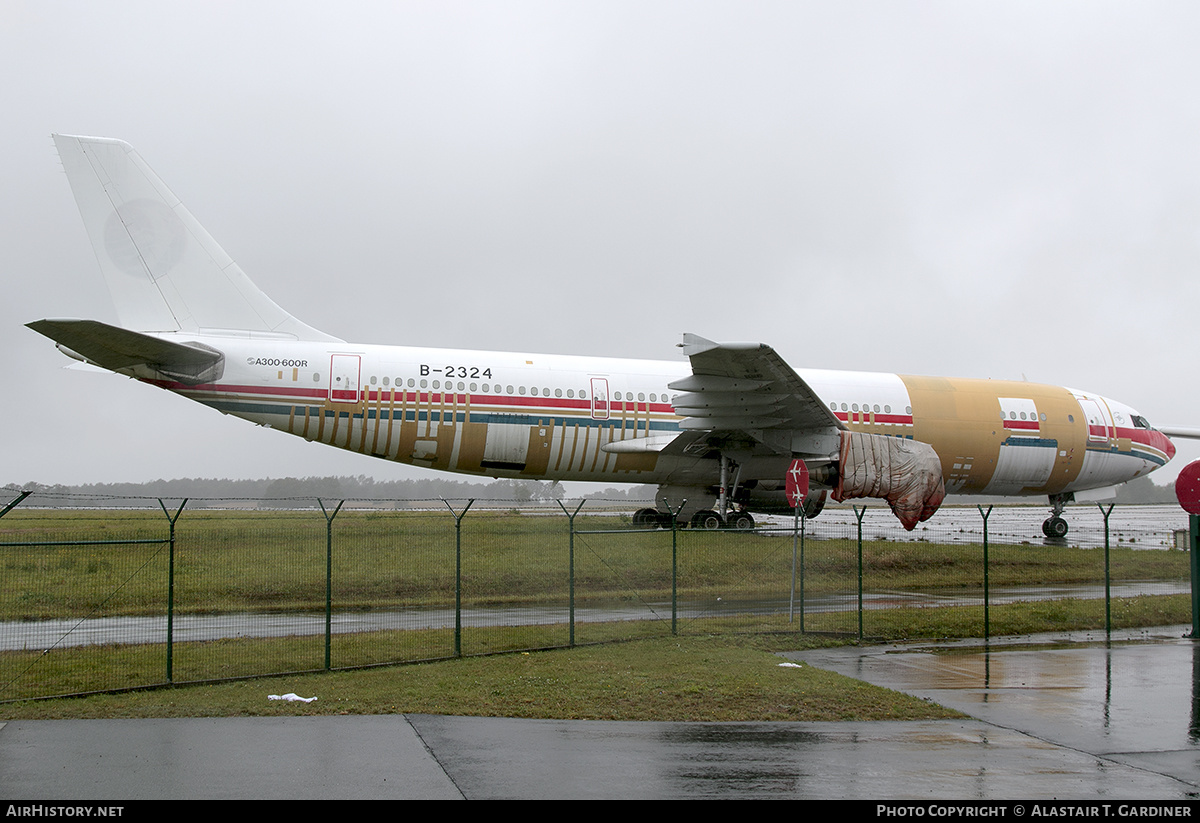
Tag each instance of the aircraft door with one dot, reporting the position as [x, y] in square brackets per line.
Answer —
[506, 445]
[1099, 419]
[344, 378]
[599, 398]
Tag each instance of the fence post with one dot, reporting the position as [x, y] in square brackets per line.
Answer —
[571, 566]
[858, 514]
[800, 518]
[329, 574]
[171, 586]
[1194, 567]
[1107, 575]
[674, 562]
[987, 600]
[15, 503]
[458, 516]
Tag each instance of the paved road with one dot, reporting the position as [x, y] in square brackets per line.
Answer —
[1052, 717]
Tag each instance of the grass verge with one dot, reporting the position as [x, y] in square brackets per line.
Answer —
[711, 678]
[697, 677]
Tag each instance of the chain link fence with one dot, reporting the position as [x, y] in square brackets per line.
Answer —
[183, 591]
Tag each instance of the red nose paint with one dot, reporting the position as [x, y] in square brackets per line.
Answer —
[1166, 445]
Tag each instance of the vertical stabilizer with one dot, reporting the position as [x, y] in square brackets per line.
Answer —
[164, 271]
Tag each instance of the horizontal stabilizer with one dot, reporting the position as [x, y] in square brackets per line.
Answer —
[115, 348]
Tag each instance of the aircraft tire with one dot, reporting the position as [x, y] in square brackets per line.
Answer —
[707, 520]
[742, 521]
[1055, 528]
[646, 518]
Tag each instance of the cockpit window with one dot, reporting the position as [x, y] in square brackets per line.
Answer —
[1140, 422]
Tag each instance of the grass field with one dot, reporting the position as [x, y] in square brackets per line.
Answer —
[276, 561]
[261, 563]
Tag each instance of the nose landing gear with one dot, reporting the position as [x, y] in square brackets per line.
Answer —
[1055, 527]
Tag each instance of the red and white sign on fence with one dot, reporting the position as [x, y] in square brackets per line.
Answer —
[796, 484]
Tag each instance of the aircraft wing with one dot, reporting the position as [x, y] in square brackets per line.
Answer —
[747, 387]
[115, 348]
[1186, 432]
[747, 390]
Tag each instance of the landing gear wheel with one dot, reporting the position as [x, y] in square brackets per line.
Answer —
[1055, 528]
[708, 520]
[742, 521]
[646, 518]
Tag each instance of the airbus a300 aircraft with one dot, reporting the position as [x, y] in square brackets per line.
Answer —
[718, 431]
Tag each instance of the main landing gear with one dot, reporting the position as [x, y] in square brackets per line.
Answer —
[1055, 526]
[742, 521]
[722, 516]
[705, 519]
[651, 519]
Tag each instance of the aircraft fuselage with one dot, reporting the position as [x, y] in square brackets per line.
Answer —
[557, 417]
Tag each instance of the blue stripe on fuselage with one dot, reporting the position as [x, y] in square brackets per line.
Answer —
[238, 407]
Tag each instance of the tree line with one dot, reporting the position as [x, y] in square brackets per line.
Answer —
[303, 491]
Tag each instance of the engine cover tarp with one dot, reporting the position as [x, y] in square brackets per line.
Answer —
[906, 473]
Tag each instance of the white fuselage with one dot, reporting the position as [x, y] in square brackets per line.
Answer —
[558, 417]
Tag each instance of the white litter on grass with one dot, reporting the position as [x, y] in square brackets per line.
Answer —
[787, 666]
[291, 696]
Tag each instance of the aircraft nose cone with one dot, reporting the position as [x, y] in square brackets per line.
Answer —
[1167, 446]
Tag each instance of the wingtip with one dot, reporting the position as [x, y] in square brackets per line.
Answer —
[694, 344]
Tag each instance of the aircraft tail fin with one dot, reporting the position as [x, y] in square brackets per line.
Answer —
[164, 271]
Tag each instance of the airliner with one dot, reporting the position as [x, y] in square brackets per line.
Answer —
[715, 430]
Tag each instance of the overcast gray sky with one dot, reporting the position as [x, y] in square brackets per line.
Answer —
[1006, 190]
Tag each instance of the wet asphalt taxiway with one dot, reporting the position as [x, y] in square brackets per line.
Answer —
[1076, 717]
